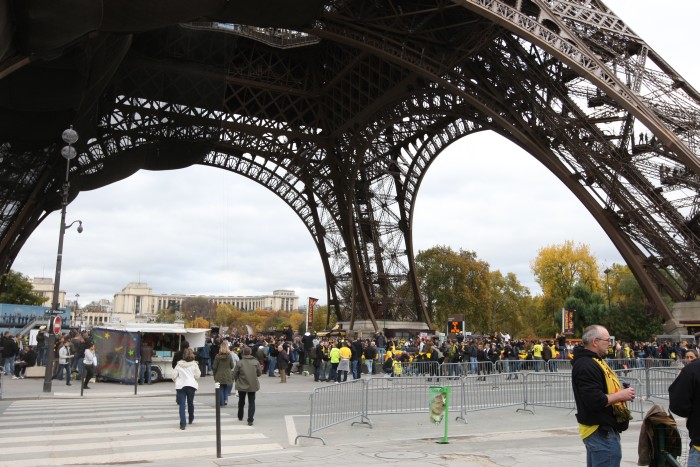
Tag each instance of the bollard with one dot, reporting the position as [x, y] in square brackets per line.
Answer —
[217, 394]
[136, 376]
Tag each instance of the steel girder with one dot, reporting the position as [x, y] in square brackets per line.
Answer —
[343, 122]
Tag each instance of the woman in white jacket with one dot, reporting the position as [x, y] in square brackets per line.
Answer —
[185, 377]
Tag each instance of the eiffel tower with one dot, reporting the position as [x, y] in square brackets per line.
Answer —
[340, 107]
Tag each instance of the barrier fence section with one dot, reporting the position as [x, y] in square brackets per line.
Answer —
[358, 399]
[490, 392]
[555, 390]
[335, 404]
[655, 380]
[419, 368]
[407, 395]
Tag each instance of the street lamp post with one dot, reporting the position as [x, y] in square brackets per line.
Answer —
[78, 313]
[607, 285]
[70, 137]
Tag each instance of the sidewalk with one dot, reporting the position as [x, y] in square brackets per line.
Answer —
[497, 437]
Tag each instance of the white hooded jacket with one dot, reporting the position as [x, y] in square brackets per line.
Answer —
[186, 374]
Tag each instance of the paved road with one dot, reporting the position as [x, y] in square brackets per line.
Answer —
[109, 425]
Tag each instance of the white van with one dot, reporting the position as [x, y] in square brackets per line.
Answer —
[118, 345]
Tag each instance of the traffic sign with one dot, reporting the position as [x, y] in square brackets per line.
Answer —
[56, 325]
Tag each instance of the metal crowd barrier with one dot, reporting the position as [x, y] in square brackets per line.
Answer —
[335, 404]
[354, 401]
[559, 364]
[490, 392]
[425, 368]
[654, 381]
[406, 395]
[547, 389]
[638, 362]
[555, 390]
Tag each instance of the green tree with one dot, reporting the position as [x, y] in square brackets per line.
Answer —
[166, 315]
[589, 308]
[454, 283]
[508, 299]
[631, 315]
[17, 290]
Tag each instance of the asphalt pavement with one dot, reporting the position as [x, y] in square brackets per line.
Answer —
[495, 437]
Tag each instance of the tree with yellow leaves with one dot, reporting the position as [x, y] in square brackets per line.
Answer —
[558, 268]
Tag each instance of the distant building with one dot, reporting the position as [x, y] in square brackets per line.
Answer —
[44, 286]
[137, 302]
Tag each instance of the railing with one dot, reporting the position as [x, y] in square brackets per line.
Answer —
[332, 405]
[355, 401]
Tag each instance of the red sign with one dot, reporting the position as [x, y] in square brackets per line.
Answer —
[56, 325]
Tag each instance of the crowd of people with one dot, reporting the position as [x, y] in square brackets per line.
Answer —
[335, 359]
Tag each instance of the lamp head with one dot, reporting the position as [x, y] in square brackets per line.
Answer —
[80, 228]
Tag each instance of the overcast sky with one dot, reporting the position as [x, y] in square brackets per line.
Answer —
[206, 231]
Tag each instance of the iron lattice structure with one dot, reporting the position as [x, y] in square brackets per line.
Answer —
[339, 108]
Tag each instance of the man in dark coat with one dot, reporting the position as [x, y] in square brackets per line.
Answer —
[600, 400]
[684, 400]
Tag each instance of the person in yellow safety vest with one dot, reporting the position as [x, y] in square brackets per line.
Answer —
[398, 369]
[537, 355]
[335, 360]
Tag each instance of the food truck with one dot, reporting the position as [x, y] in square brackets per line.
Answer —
[117, 347]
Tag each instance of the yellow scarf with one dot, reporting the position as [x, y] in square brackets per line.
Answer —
[622, 413]
[620, 410]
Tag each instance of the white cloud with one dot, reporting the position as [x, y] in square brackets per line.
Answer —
[206, 231]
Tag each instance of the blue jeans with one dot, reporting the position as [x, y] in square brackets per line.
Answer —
[603, 449]
[693, 457]
[41, 356]
[81, 368]
[334, 372]
[271, 366]
[223, 394]
[59, 374]
[145, 373]
[8, 365]
[354, 367]
[204, 366]
[186, 394]
[474, 365]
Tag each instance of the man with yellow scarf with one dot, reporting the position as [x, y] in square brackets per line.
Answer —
[601, 406]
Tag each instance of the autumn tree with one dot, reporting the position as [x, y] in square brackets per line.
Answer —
[17, 290]
[197, 307]
[199, 323]
[454, 283]
[508, 299]
[558, 268]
